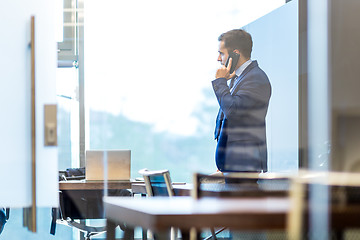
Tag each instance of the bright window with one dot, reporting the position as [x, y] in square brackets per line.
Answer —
[148, 72]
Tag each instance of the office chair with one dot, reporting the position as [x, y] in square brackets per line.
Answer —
[239, 185]
[79, 206]
[73, 207]
[158, 183]
[341, 193]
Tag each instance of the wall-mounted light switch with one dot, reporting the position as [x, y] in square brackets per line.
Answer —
[50, 125]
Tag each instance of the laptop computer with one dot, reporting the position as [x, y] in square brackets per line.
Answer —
[118, 164]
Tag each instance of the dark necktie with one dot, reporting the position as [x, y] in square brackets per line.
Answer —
[220, 115]
[232, 82]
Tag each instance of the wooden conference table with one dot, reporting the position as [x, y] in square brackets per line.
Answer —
[161, 213]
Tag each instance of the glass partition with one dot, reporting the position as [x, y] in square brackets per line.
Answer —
[148, 70]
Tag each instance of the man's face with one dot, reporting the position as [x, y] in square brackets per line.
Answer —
[223, 53]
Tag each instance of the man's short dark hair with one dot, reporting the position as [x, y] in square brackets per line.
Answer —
[237, 39]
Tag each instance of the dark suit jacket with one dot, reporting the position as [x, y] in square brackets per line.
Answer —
[240, 124]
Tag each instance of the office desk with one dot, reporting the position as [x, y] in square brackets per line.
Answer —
[180, 189]
[95, 185]
[80, 199]
[160, 213]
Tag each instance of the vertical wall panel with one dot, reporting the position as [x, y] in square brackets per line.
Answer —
[276, 47]
[318, 113]
[15, 98]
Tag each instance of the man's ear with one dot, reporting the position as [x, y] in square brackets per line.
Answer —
[237, 51]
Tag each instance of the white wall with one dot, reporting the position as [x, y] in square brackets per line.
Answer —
[275, 47]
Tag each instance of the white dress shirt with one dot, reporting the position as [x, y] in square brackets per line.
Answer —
[239, 71]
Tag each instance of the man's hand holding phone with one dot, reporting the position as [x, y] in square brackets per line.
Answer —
[224, 72]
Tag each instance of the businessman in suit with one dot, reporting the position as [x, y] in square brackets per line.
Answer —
[3, 219]
[243, 96]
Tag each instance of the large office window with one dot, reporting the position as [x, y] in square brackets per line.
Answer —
[68, 117]
[148, 72]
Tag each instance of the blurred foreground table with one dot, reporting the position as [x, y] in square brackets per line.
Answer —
[159, 214]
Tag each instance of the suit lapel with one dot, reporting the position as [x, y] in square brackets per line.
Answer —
[246, 70]
[220, 116]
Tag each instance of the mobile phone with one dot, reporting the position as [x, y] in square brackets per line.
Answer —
[235, 58]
